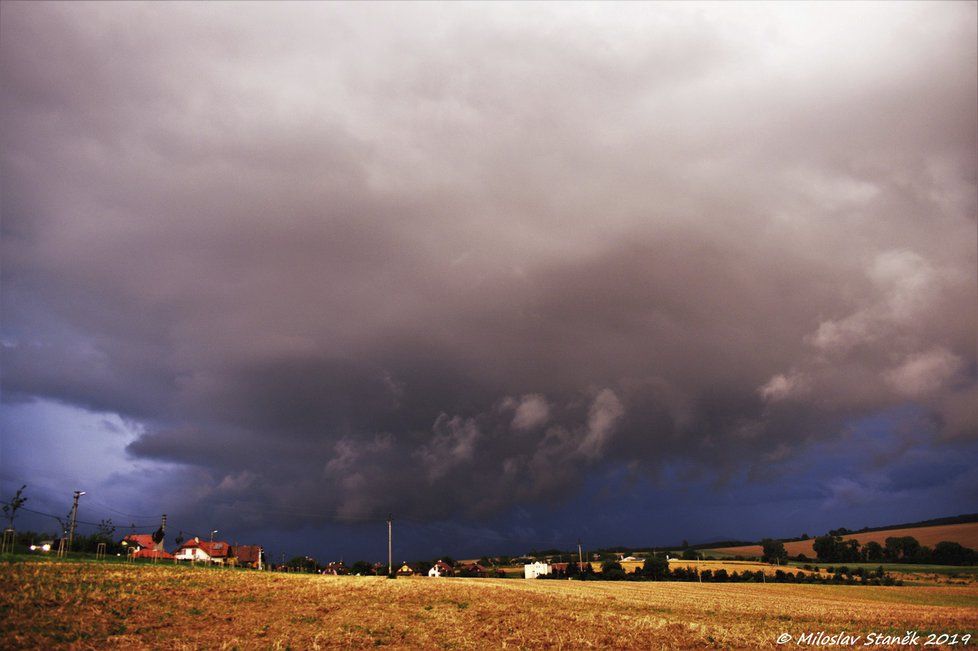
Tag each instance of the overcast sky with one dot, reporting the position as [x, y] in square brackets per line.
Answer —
[516, 273]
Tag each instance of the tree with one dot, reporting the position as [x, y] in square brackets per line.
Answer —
[303, 564]
[832, 548]
[10, 508]
[774, 551]
[363, 568]
[612, 570]
[105, 529]
[690, 554]
[656, 568]
[573, 569]
[952, 553]
[902, 548]
[873, 552]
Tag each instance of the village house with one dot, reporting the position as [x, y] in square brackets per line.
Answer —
[533, 570]
[405, 570]
[473, 570]
[252, 556]
[440, 568]
[139, 541]
[203, 551]
[562, 569]
[142, 545]
[336, 568]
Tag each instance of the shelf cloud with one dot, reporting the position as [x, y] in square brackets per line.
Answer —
[445, 259]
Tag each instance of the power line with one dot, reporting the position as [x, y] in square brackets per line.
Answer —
[58, 517]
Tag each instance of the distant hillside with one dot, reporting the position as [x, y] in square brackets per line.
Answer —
[964, 533]
[953, 519]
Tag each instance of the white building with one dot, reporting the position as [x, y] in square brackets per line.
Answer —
[533, 570]
[440, 569]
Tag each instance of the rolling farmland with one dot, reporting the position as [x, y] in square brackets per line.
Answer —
[965, 534]
[85, 605]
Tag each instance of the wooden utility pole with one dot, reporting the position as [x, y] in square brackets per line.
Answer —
[390, 547]
[74, 515]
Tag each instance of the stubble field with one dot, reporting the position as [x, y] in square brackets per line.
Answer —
[82, 606]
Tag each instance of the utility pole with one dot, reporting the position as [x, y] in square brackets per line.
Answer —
[390, 547]
[74, 515]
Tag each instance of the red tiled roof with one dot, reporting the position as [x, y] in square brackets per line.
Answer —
[140, 539]
[247, 553]
[216, 549]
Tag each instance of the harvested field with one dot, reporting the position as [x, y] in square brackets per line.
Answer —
[965, 534]
[62, 605]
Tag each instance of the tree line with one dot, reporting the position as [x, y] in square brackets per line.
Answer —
[832, 548]
[656, 568]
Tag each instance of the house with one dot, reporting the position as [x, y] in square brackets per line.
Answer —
[441, 568]
[140, 541]
[145, 545]
[336, 568]
[405, 570]
[203, 551]
[252, 556]
[562, 569]
[533, 570]
[473, 570]
[155, 554]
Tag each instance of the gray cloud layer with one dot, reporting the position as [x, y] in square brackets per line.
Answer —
[442, 258]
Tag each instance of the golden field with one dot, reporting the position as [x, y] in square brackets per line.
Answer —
[735, 566]
[966, 534]
[729, 565]
[86, 606]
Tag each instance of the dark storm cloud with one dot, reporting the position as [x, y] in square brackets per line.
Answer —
[446, 259]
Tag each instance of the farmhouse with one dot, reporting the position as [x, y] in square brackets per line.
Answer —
[204, 551]
[440, 568]
[533, 570]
